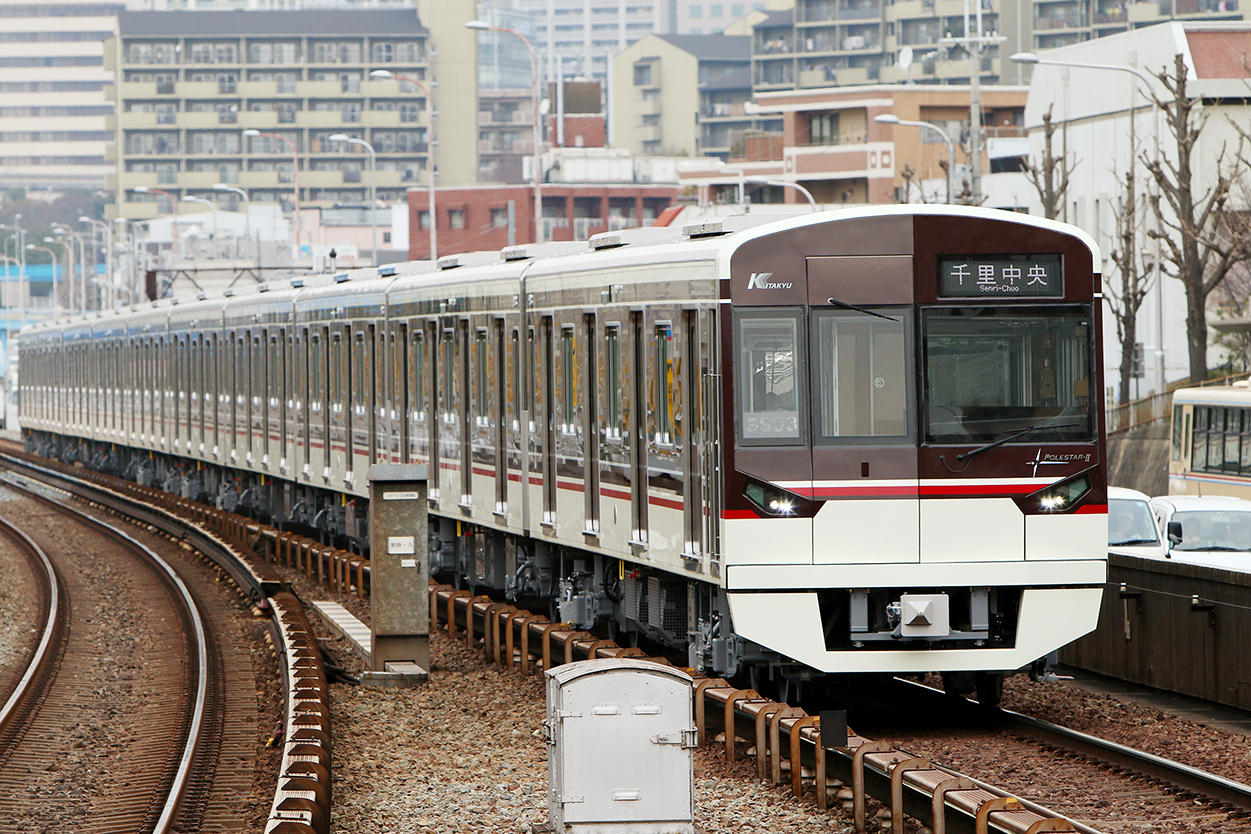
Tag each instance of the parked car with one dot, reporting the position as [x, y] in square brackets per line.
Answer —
[1210, 530]
[1132, 527]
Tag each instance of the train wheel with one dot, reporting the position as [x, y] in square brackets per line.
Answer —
[989, 688]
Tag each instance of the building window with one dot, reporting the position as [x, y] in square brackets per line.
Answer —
[386, 237]
[642, 75]
[499, 217]
[456, 218]
[823, 129]
[423, 220]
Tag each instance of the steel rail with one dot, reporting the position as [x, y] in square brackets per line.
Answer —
[53, 630]
[182, 773]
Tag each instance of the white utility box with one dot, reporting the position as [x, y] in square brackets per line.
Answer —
[621, 741]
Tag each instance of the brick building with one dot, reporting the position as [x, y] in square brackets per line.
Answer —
[493, 216]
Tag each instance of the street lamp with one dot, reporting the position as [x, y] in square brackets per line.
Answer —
[430, 167]
[483, 26]
[130, 240]
[373, 194]
[108, 251]
[247, 216]
[1033, 59]
[144, 189]
[204, 202]
[33, 248]
[785, 184]
[892, 119]
[78, 264]
[297, 220]
[69, 268]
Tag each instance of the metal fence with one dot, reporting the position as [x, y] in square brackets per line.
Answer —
[1148, 410]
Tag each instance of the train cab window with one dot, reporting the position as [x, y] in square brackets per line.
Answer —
[861, 367]
[990, 371]
[770, 367]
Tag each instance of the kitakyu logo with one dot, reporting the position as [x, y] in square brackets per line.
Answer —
[760, 281]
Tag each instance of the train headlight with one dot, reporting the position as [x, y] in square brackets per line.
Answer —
[1057, 497]
[773, 501]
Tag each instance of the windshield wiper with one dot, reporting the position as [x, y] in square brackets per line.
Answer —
[864, 310]
[1013, 436]
[1218, 547]
[1133, 541]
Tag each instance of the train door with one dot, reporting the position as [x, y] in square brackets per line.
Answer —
[483, 453]
[464, 420]
[568, 433]
[500, 414]
[401, 426]
[515, 459]
[317, 425]
[298, 399]
[212, 391]
[434, 409]
[637, 373]
[359, 394]
[590, 425]
[711, 392]
[340, 444]
[614, 446]
[691, 409]
[274, 364]
[864, 454]
[381, 432]
[549, 425]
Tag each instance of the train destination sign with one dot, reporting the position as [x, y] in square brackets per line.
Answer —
[1000, 276]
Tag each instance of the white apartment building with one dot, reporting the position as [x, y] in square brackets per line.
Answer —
[1099, 113]
[52, 105]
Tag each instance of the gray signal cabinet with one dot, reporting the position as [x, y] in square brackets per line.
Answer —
[399, 566]
[621, 741]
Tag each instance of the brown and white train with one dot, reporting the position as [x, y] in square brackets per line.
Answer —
[867, 440]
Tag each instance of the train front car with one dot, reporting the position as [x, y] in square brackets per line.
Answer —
[916, 479]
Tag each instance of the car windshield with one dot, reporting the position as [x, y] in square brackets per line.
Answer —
[990, 371]
[1214, 530]
[1130, 522]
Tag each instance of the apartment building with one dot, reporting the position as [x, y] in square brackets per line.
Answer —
[1062, 22]
[254, 100]
[53, 112]
[831, 146]
[662, 80]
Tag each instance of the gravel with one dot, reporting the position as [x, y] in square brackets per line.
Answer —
[20, 624]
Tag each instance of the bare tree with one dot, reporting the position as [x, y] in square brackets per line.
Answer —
[1229, 301]
[1050, 175]
[1126, 294]
[1201, 237]
[909, 177]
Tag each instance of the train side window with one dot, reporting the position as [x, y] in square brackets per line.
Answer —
[449, 363]
[1177, 432]
[1199, 441]
[664, 384]
[1233, 434]
[567, 404]
[1216, 439]
[770, 368]
[612, 374]
[480, 376]
[417, 374]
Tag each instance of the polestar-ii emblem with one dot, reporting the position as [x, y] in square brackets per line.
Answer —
[1038, 461]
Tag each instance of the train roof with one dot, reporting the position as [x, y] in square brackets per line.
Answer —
[1239, 393]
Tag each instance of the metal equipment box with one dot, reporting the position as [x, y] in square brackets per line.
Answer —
[621, 741]
[399, 566]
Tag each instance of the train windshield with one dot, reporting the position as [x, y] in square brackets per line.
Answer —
[990, 371]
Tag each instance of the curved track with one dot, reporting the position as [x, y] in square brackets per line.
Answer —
[113, 714]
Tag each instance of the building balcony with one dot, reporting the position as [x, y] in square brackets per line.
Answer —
[260, 179]
[319, 89]
[259, 119]
[905, 9]
[131, 120]
[198, 179]
[138, 211]
[196, 89]
[197, 121]
[1143, 11]
[322, 179]
[132, 89]
[649, 133]
[319, 118]
[381, 118]
[258, 89]
[130, 180]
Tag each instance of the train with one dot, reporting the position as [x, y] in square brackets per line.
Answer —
[1210, 448]
[862, 441]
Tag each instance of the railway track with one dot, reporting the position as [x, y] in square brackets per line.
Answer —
[1098, 782]
[296, 789]
[148, 686]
